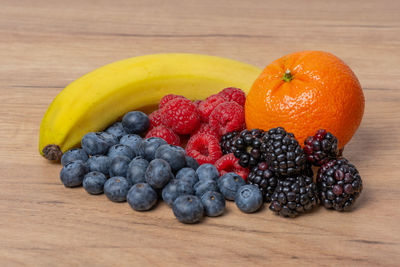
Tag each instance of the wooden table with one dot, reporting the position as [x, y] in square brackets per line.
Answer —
[47, 44]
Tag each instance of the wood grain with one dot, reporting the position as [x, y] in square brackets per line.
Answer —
[47, 44]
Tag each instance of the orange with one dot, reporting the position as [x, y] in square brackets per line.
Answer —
[304, 92]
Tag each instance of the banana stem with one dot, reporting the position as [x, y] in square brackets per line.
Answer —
[52, 152]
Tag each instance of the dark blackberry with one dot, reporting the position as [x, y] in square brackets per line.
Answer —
[282, 152]
[226, 142]
[247, 147]
[339, 184]
[321, 147]
[264, 178]
[294, 195]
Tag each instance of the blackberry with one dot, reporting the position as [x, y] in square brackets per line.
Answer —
[264, 178]
[294, 195]
[321, 147]
[247, 147]
[282, 152]
[339, 184]
[226, 142]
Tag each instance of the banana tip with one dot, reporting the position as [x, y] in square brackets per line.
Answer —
[52, 152]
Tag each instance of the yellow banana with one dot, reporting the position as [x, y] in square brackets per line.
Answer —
[99, 98]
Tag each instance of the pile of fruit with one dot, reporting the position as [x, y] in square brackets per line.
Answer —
[195, 154]
[220, 157]
[282, 170]
[139, 159]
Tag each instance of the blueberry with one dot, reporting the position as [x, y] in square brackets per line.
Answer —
[136, 170]
[110, 138]
[207, 171]
[174, 189]
[99, 163]
[136, 122]
[72, 173]
[173, 155]
[203, 186]
[74, 154]
[158, 173]
[116, 188]
[249, 198]
[142, 197]
[119, 166]
[120, 150]
[191, 162]
[188, 209]
[149, 146]
[93, 182]
[213, 203]
[97, 143]
[180, 149]
[229, 184]
[117, 130]
[133, 141]
[187, 175]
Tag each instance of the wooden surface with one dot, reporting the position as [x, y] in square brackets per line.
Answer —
[47, 44]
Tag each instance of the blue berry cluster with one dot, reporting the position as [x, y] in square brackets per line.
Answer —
[126, 167]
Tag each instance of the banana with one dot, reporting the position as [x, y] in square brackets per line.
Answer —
[101, 97]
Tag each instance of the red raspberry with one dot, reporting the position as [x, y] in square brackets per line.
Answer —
[168, 98]
[197, 103]
[208, 105]
[227, 117]
[229, 163]
[204, 148]
[205, 128]
[233, 94]
[181, 116]
[165, 133]
[155, 118]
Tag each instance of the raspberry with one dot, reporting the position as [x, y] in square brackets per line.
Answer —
[227, 117]
[229, 163]
[155, 119]
[205, 128]
[208, 105]
[197, 103]
[204, 148]
[181, 116]
[165, 133]
[168, 98]
[233, 94]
